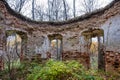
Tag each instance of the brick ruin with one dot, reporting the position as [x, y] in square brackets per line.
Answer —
[73, 38]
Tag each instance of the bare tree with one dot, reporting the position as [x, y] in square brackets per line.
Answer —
[54, 9]
[56, 6]
[17, 5]
[74, 8]
[39, 13]
[49, 10]
[33, 9]
[65, 9]
[89, 5]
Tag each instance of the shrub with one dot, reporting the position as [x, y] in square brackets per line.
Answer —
[58, 70]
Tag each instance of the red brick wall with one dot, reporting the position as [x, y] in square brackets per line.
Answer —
[1, 63]
[81, 57]
[112, 61]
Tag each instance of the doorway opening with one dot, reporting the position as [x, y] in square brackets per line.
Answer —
[94, 53]
[13, 50]
[55, 46]
[14, 45]
[95, 40]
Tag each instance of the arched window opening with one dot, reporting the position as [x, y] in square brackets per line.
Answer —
[56, 46]
[94, 41]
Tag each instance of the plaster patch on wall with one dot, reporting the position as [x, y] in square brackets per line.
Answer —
[111, 33]
[43, 48]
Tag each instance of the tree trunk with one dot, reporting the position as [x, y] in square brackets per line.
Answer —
[74, 8]
[33, 9]
[65, 10]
